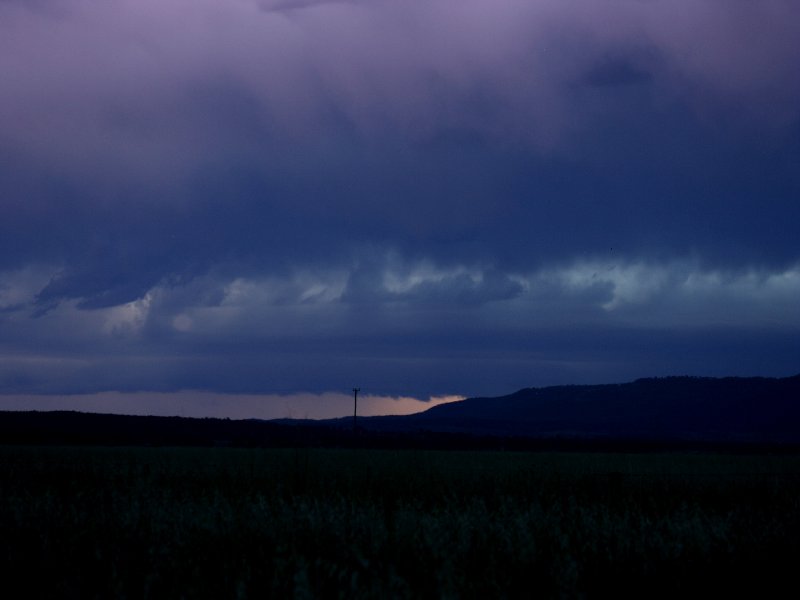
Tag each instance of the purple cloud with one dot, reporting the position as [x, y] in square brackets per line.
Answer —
[220, 193]
[147, 90]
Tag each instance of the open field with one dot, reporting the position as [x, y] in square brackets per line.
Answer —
[222, 523]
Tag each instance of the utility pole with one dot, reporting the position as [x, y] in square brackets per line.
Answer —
[355, 408]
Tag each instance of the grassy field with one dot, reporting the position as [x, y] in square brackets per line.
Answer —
[245, 523]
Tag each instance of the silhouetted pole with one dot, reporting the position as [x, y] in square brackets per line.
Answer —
[355, 408]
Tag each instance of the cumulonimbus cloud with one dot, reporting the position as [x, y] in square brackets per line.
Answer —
[387, 187]
[157, 86]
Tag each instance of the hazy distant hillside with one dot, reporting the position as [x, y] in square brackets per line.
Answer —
[672, 411]
[736, 409]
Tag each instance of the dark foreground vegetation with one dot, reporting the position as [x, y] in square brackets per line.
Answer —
[115, 522]
[68, 428]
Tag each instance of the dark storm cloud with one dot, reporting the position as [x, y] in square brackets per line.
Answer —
[616, 71]
[218, 195]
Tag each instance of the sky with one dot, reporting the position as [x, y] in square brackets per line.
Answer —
[246, 208]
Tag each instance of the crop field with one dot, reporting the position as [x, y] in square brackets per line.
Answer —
[308, 523]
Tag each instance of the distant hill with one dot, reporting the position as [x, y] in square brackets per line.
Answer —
[671, 412]
[731, 409]
[70, 428]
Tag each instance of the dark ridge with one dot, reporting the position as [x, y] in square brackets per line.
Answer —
[68, 427]
[700, 413]
[731, 409]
